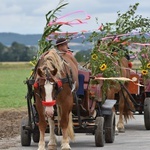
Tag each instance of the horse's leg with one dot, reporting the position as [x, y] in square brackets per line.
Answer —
[42, 128]
[42, 125]
[52, 140]
[65, 140]
[120, 124]
[65, 137]
[66, 126]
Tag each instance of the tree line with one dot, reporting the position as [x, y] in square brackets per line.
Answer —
[17, 52]
[20, 52]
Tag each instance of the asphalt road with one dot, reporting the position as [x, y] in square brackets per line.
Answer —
[136, 137]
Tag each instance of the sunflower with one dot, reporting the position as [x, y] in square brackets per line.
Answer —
[94, 57]
[148, 65]
[144, 72]
[103, 67]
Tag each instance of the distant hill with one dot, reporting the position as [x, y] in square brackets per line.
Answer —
[27, 39]
[32, 39]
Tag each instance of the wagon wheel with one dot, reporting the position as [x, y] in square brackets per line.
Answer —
[99, 132]
[147, 113]
[25, 134]
[36, 134]
[110, 128]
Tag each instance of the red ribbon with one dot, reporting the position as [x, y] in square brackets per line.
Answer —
[51, 103]
[35, 85]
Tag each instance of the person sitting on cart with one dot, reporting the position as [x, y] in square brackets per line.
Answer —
[62, 46]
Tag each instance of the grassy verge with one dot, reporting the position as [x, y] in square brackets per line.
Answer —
[12, 87]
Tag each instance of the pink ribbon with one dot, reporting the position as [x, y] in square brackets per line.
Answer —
[72, 22]
[142, 44]
[120, 35]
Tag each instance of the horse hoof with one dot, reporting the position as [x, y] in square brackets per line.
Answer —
[41, 149]
[65, 147]
[121, 130]
[52, 147]
[116, 132]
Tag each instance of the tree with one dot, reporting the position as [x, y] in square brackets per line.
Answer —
[16, 52]
[2, 50]
[83, 56]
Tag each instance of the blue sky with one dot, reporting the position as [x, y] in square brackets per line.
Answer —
[28, 16]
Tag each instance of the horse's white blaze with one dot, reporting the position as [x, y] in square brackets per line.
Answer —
[49, 110]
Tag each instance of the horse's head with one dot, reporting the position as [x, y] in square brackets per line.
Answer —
[48, 84]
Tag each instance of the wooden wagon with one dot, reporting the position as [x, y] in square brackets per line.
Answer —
[100, 123]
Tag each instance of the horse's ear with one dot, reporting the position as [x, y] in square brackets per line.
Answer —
[54, 71]
[40, 72]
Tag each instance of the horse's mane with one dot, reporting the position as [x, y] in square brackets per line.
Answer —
[52, 59]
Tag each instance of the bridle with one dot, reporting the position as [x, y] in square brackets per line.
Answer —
[50, 76]
[56, 82]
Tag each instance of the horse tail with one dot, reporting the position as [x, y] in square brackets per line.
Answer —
[70, 130]
[128, 107]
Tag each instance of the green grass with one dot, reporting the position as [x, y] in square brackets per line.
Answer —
[12, 87]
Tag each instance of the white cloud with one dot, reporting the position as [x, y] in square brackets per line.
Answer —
[28, 16]
[9, 9]
[43, 9]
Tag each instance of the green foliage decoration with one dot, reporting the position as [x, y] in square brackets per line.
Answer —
[44, 44]
[103, 59]
[144, 57]
[106, 54]
[128, 22]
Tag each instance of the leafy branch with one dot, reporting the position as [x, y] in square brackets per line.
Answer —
[128, 22]
[51, 16]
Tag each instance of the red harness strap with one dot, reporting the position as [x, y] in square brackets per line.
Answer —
[36, 85]
[51, 103]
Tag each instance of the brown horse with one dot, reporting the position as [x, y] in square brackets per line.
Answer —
[55, 75]
[115, 87]
[125, 104]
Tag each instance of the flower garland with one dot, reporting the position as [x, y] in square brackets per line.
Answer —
[144, 57]
[105, 58]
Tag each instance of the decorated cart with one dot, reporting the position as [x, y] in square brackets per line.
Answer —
[89, 114]
[108, 78]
